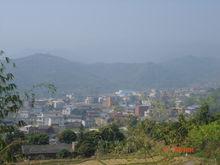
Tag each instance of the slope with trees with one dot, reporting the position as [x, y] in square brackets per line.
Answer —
[102, 77]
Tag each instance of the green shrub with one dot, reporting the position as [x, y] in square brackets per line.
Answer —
[64, 153]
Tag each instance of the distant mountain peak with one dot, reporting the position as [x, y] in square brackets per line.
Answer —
[43, 57]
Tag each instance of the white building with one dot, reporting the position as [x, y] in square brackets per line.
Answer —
[66, 111]
[58, 104]
[48, 120]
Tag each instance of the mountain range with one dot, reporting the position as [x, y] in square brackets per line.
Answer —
[70, 76]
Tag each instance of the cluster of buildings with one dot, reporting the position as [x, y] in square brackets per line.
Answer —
[51, 116]
[98, 111]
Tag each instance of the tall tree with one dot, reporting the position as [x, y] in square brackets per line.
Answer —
[203, 116]
[87, 146]
[67, 136]
[10, 102]
[111, 133]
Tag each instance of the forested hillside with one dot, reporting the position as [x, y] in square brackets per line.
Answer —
[103, 77]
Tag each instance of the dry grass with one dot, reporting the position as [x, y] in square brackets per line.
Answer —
[158, 160]
[53, 162]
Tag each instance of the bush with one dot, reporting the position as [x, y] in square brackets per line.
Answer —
[38, 139]
[87, 145]
[67, 136]
[111, 133]
[86, 148]
[206, 139]
[64, 153]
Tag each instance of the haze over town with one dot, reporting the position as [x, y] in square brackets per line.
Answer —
[110, 31]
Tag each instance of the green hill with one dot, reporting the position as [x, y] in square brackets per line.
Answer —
[105, 77]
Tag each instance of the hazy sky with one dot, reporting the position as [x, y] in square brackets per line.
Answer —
[110, 30]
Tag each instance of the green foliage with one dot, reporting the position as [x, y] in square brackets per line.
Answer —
[213, 101]
[67, 136]
[64, 153]
[132, 122]
[102, 142]
[15, 135]
[10, 102]
[88, 144]
[200, 135]
[203, 116]
[173, 132]
[206, 138]
[111, 133]
[86, 148]
[12, 152]
[138, 140]
[110, 137]
[93, 136]
[38, 139]
[12, 145]
[168, 132]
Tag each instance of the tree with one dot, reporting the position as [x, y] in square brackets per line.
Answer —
[203, 116]
[206, 139]
[141, 140]
[12, 136]
[67, 136]
[111, 133]
[38, 139]
[10, 102]
[199, 136]
[183, 128]
[9, 96]
[110, 136]
[87, 146]
[64, 153]
[172, 132]
[132, 121]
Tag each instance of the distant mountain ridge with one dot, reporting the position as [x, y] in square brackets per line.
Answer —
[102, 77]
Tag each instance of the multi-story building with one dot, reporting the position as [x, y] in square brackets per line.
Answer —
[107, 102]
[140, 110]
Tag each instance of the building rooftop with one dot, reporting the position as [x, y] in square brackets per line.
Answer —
[45, 149]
